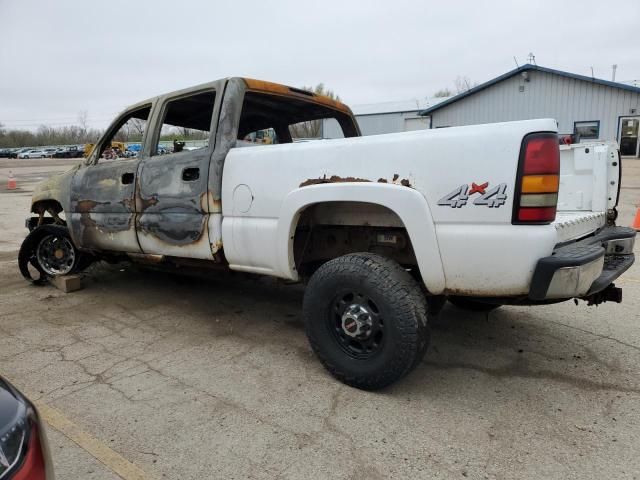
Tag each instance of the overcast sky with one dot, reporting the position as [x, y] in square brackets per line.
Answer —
[60, 57]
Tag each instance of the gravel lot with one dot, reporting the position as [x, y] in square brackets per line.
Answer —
[196, 378]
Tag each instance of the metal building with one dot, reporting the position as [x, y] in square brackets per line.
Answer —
[386, 117]
[590, 107]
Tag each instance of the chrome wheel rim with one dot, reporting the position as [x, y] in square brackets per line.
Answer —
[56, 255]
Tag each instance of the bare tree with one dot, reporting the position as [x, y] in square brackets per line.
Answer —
[443, 92]
[184, 132]
[83, 120]
[136, 128]
[312, 128]
[122, 135]
[463, 84]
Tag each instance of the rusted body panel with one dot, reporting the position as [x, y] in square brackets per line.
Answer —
[226, 134]
[279, 89]
[338, 179]
[56, 188]
[102, 207]
[173, 212]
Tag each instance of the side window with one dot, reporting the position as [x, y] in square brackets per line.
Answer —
[129, 132]
[186, 124]
[270, 119]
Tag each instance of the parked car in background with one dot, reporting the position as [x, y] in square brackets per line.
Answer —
[24, 452]
[18, 151]
[4, 152]
[69, 152]
[33, 154]
[49, 152]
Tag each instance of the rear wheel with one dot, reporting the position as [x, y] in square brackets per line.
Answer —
[466, 303]
[366, 320]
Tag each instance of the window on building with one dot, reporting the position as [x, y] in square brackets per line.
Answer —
[590, 129]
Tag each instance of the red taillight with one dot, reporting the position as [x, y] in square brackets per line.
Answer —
[538, 180]
[537, 214]
[541, 156]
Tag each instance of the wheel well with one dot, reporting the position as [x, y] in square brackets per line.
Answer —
[46, 206]
[51, 207]
[331, 229]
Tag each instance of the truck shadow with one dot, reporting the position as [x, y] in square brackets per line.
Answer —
[511, 342]
[524, 342]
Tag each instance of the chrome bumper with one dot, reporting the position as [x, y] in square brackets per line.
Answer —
[585, 267]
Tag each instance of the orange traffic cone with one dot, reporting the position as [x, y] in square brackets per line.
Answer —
[636, 221]
[11, 183]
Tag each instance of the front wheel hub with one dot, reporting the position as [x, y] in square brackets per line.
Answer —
[56, 255]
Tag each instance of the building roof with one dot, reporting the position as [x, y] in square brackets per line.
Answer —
[402, 106]
[525, 68]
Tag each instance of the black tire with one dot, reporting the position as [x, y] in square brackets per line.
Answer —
[397, 336]
[466, 303]
[29, 248]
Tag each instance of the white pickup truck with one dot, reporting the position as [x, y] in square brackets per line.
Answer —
[383, 229]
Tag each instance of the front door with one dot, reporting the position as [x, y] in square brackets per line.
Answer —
[628, 134]
[102, 215]
[173, 198]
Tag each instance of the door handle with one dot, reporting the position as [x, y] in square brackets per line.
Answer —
[190, 174]
[127, 178]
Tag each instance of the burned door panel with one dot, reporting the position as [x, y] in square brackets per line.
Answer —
[173, 198]
[102, 215]
[172, 205]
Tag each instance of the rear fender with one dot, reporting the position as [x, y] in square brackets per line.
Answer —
[409, 204]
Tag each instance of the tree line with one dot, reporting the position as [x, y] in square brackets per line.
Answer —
[45, 135]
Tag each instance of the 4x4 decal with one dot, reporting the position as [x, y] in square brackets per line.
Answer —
[492, 198]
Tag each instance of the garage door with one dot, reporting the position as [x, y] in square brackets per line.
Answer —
[417, 123]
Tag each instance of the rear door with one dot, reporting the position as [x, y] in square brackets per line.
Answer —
[173, 201]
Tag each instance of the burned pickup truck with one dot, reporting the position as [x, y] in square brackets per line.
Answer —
[382, 229]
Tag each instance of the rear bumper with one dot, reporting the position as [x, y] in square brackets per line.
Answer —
[583, 268]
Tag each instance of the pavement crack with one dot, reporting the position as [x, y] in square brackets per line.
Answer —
[605, 337]
[516, 370]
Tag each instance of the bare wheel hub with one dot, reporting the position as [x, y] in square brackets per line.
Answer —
[56, 255]
[357, 321]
